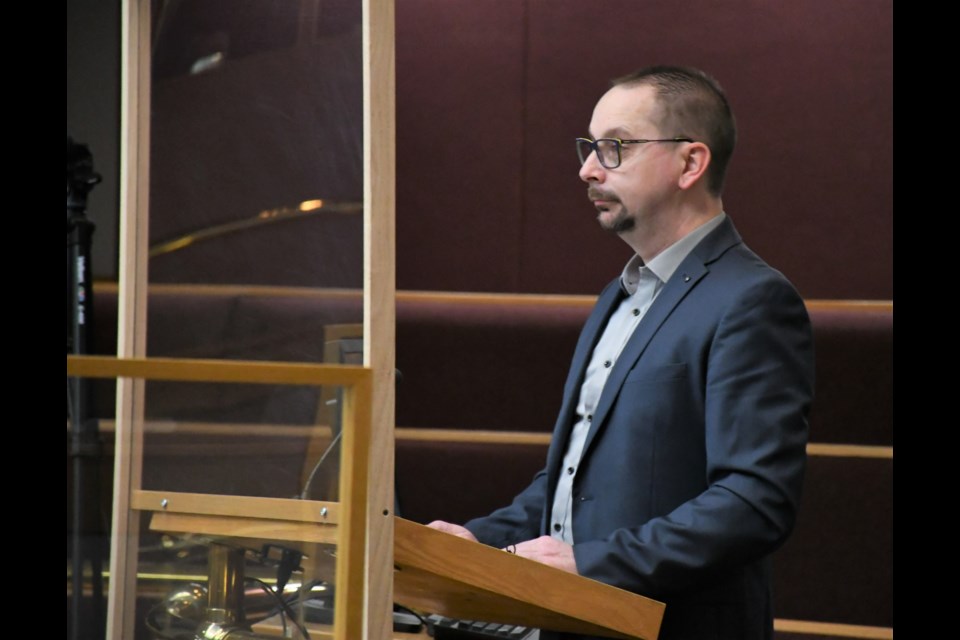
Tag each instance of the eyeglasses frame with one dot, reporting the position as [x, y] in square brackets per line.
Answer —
[619, 142]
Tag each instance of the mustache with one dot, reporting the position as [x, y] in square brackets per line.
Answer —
[594, 193]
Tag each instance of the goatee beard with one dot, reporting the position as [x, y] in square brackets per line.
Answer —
[621, 223]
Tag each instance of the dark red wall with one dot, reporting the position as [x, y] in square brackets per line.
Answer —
[491, 94]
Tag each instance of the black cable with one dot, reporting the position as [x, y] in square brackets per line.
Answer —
[263, 585]
[304, 495]
[285, 608]
[402, 609]
[310, 585]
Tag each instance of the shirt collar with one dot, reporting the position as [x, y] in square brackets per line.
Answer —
[668, 260]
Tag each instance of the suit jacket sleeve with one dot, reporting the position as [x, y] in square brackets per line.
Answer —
[757, 389]
[517, 522]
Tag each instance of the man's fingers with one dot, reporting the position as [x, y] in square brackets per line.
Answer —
[453, 529]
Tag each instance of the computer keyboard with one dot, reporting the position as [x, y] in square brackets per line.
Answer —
[443, 628]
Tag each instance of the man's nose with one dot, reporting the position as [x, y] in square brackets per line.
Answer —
[592, 170]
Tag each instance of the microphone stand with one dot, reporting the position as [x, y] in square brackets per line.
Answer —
[84, 447]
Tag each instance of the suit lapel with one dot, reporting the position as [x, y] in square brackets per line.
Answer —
[691, 271]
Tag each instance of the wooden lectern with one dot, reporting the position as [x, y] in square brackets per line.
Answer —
[441, 573]
[435, 572]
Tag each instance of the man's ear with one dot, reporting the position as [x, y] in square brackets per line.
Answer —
[696, 158]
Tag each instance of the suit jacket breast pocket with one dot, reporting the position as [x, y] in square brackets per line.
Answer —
[657, 374]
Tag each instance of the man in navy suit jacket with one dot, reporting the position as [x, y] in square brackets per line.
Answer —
[677, 459]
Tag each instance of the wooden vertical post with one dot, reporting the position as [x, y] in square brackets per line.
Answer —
[132, 312]
[379, 116]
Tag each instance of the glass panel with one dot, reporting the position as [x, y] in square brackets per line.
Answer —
[256, 177]
[242, 439]
[207, 562]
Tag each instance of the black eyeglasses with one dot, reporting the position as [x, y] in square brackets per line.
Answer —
[608, 149]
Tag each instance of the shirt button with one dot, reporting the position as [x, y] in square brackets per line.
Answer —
[556, 526]
[607, 364]
[636, 312]
[570, 470]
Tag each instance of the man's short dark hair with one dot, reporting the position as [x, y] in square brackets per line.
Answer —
[692, 105]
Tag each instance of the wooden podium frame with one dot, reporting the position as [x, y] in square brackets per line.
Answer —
[432, 571]
[441, 573]
[312, 522]
[371, 547]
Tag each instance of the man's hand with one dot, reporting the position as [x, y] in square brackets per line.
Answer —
[453, 529]
[543, 549]
[548, 551]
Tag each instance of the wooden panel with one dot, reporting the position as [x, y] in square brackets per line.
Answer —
[827, 630]
[214, 370]
[250, 532]
[504, 88]
[238, 506]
